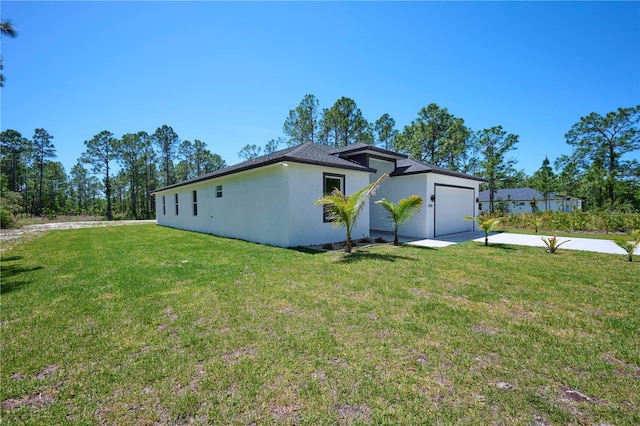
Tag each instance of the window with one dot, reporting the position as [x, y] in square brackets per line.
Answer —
[176, 204]
[164, 205]
[219, 191]
[195, 203]
[330, 183]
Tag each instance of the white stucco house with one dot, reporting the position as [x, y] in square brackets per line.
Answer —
[271, 199]
[528, 200]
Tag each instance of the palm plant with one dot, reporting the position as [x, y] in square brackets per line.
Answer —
[344, 210]
[401, 212]
[630, 247]
[552, 243]
[487, 225]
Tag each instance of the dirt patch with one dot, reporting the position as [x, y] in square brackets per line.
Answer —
[347, 414]
[418, 292]
[504, 385]
[538, 420]
[487, 360]
[485, 329]
[16, 377]
[172, 316]
[36, 401]
[572, 399]
[285, 413]
[623, 368]
[573, 395]
[47, 371]
[142, 351]
[422, 359]
[238, 354]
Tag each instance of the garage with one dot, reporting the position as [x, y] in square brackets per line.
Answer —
[452, 204]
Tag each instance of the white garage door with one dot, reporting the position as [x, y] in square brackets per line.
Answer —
[452, 204]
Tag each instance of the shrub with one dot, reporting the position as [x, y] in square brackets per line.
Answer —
[50, 214]
[6, 219]
[593, 221]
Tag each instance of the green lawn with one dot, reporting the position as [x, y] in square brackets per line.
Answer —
[151, 325]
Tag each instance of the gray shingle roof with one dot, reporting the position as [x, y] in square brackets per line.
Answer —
[360, 147]
[407, 166]
[308, 153]
[322, 155]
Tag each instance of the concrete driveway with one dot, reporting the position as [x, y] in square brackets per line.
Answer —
[586, 244]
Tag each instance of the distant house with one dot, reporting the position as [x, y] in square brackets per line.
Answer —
[271, 199]
[527, 200]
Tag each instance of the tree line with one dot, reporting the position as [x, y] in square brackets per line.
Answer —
[601, 170]
[34, 184]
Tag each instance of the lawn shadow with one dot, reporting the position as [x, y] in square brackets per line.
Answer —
[9, 287]
[11, 270]
[9, 259]
[419, 247]
[306, 250]
[500, 246]
[360, 255]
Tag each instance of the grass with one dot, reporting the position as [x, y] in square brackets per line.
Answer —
[151, 325]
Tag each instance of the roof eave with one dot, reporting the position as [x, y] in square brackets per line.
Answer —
[440, 172]
[372, 150]
[222, 173]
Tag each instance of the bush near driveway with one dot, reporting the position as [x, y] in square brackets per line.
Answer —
[606, 222]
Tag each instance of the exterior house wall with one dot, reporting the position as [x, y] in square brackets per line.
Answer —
[377, 213]
[272, 205]
[394, 189]
[306, 225]
[235, 214]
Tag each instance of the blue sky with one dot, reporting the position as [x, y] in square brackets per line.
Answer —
[228, 73]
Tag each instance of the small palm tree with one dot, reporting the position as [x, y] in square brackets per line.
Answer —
[623, 242]
[344, 210]
[401, 212]
[487, 225]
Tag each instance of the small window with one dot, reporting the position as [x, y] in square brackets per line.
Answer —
[219, 191]
[330, 183]
[164, 205]
[176, 204]
[195, 203]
